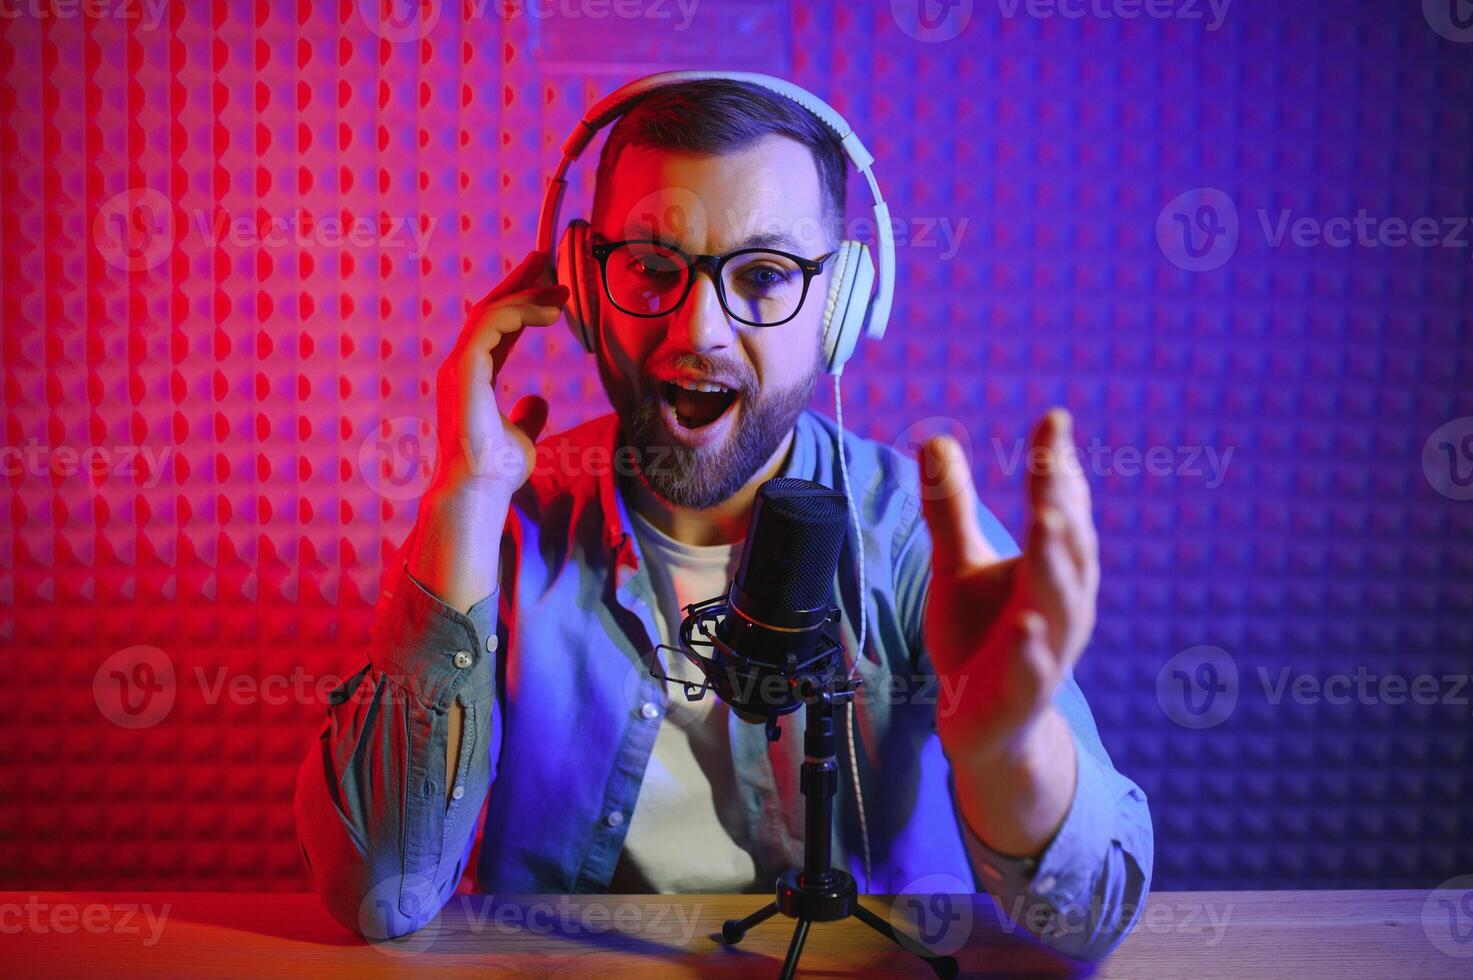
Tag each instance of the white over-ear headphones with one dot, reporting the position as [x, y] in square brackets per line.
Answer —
[849, 310]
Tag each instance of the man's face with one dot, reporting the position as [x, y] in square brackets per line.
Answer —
[696, 449]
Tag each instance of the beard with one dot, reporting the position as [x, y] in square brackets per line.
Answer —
[700, 477]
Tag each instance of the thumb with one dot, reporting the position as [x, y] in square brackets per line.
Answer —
[530, 415]
[949, 502]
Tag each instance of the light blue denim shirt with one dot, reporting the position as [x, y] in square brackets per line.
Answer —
[561, 714]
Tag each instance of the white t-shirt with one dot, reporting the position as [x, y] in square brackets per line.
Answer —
[687, 833]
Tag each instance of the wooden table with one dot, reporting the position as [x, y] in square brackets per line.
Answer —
[1181, 934]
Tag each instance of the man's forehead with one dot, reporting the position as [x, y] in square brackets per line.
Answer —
[763, 196]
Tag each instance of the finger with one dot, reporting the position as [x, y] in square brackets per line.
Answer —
[546, 295]
[1058, 480]
[1055, 584]
[530, 415]
[949, 502]
[496, 329]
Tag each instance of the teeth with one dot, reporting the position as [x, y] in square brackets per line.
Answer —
[702, 386]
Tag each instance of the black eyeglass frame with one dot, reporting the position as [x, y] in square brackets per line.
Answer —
[809, 267]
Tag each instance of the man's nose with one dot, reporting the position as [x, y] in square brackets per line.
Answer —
[701, 324]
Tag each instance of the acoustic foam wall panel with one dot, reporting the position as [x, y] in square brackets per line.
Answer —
[238, 240]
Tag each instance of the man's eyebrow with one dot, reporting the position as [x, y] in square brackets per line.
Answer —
[766, 239]
[761, 239]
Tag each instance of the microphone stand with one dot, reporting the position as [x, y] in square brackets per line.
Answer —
[819, 892]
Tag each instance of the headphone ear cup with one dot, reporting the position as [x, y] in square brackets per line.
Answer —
[571, 272]
[847, 303]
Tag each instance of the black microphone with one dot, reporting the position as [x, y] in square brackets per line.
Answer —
[769, 635]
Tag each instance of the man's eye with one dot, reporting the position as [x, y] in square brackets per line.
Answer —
[768, 276]
[650, 266]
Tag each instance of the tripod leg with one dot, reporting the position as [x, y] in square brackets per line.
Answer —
[795, 949]
[732, 930]
[943, 966]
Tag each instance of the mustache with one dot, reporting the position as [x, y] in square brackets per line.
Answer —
[740, 373]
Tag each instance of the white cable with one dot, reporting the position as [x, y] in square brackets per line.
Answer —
[863, 618]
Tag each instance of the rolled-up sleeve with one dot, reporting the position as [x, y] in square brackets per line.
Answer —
[1084, 893]
[382, 847]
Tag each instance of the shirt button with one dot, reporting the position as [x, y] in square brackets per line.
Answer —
[462, 659]
[648, 710]
[459, 792]
[1045, 884]
[614, 819]
[492, 642]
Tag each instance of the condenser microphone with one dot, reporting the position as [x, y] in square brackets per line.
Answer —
[771, 635]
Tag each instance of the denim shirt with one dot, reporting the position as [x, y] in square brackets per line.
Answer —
[561, 714]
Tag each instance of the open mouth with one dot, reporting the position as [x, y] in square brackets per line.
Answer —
[697, 405]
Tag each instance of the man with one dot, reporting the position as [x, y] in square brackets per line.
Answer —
[514, 675]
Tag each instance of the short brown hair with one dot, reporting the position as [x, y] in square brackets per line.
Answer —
[714, 116]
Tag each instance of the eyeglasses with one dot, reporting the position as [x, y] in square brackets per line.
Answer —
[760, 287]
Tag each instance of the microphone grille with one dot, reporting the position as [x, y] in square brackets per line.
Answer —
[793, 544]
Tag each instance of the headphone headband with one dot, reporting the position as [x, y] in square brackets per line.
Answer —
[617, 102]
